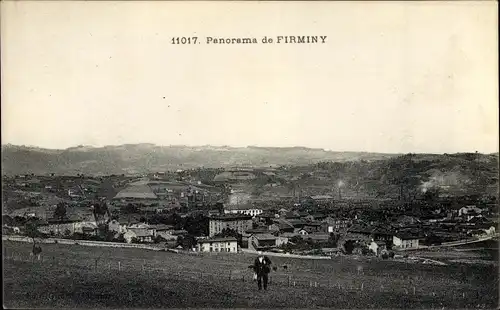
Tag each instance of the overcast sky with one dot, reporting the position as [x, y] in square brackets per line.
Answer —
[394, 77]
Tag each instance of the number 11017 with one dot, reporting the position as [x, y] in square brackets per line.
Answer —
[184, 40]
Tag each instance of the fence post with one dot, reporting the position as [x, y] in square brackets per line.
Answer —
[119, 266]
[414, 290]
[362, 285]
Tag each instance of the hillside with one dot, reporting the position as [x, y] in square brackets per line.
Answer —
[412, 174]
[142, 158]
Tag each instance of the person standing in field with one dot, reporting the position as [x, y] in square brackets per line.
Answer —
[262, 267]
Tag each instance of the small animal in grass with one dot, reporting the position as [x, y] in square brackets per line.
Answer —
[285, 267]
[275, 268]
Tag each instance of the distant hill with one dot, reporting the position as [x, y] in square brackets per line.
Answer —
[143, 158]
[410, 174]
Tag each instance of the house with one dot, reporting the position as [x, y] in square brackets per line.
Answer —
[318, 216]
[89, 230]
[213, 212]
[115, 226]
[283, 211]
[247, 209]
[161, 227]
[377, 247]
[291, 216]
[331, 251]
[290, 235]
[267, 216]
[301, 231]
[228, 244]
[140, 234]
[331, 224]
[405, 241]
[139, 225]
[468, 210]
[170, 235]
[406, 220]
[237, 222]
[54, 227]
[297, 223]
[317, 237]
[273, 228]
[360, 233]
[280, 240]
[261, 241]
[284, 225]
[313, 227]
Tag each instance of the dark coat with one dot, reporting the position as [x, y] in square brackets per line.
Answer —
[262, 268]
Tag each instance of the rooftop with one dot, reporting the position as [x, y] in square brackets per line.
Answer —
[245, 206]
[140, 232]
[225, 239]
[141, 191]
[231, 217]
[264, 237]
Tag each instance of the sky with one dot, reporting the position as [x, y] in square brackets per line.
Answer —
[392, 77]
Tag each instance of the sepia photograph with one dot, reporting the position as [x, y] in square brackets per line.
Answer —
[250, 154]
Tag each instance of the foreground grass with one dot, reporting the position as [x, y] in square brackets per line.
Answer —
[72, 281]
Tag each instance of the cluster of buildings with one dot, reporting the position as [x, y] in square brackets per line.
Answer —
[265, 230]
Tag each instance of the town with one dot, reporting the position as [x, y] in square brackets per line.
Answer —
[246, 209]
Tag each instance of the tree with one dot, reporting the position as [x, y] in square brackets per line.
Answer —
[197, 225]
[333, 240]
[349, 246]
[7, 220]
[31, 228]
[100, 209]
[187, 242]
[388, 244]
[130, 209]
[228, 232]
[60, 211]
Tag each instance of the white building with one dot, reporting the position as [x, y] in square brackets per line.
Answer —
[245, 209]
[469, 210]
[251, 212]
[228, 244]
[403, 241]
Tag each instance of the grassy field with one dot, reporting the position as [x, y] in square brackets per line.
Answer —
[67, 277]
